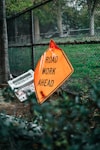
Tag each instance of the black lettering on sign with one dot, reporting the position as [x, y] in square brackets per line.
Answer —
[51, 59]
[48, 70]
[46, 82]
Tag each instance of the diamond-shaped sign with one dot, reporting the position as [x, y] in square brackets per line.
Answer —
[51, 71]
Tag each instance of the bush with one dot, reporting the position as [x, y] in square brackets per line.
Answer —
[64, 124]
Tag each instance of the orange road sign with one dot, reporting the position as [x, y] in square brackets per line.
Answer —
[51, 71]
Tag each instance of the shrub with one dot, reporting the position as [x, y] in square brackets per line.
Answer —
[64, 124]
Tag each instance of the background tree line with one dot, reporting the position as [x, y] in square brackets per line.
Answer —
[60, 15]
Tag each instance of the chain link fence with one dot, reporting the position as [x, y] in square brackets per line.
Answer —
[30, 31]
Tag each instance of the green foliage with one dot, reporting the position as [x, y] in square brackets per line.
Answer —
[14, 6]
[71, 123]
[17, 133]
[63, 123]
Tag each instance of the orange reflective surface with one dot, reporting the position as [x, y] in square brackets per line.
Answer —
[51, 71]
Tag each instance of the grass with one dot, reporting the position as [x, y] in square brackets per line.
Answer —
[85, 60]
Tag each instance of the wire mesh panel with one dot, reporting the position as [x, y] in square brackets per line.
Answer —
[38, 51]
[66, 22]
[20, 60]
[19, 35]
[19, 29]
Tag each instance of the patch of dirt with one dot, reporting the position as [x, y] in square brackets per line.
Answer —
[16, 108]
[23, 110]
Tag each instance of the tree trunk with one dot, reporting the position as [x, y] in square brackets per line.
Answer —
[91, 9]
[36, 29]
[4, 63]
[92, 24]
[59, 20]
